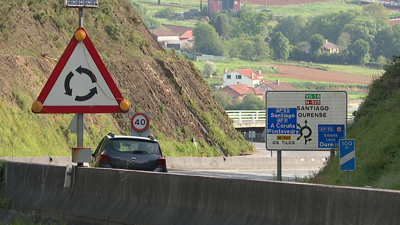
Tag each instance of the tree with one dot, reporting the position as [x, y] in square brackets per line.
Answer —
[382, 61]
[261, 49]
[360, 50]
[361, 28]
[328, 25]
[316, 43]
[253, 23]
[280, 45]
[247, 50]
[253, 102]
[249, 102]
[206, 40]
[292, 28]
[233, 47]
[223, 98]
[378, 11]
[220, 22]
[151, 22]
[385, 40]
[209, 68]
[344, 40]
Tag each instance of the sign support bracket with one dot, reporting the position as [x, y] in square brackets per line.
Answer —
[279, 165]
[80, 132]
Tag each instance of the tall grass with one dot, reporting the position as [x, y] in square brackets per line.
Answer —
[23, 133]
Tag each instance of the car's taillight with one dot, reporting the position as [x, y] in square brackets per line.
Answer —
[105, 158]
[161, 163]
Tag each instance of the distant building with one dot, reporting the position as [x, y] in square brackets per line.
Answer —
[177, 44]
[276, 86]
[164, 35]
[177, 29]
[188, 35]
[170, 39]
[328, 47]
[215, 6]
[239, 91]
[245, 76]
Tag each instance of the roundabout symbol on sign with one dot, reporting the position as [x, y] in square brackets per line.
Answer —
[140, 122]
[68, 90]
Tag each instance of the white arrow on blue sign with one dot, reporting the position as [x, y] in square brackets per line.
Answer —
[347, 155]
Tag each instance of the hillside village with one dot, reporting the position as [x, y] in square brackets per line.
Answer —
[236, 83]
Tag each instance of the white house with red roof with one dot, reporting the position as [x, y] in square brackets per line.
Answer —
[239, 91]
[245, 76]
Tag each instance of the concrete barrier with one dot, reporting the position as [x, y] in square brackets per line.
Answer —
[105, 196]
[48, 160]
[204, 163]
[243, 163]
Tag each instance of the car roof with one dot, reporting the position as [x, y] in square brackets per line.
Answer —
[131, 137]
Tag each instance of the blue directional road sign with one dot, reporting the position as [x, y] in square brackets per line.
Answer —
[347, 155]
[329, 135]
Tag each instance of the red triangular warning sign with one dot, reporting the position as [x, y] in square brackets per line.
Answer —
[80, 83]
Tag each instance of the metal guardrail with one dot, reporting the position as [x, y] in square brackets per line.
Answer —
[254, 116]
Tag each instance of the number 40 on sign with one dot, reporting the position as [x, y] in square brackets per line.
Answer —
[140, 122]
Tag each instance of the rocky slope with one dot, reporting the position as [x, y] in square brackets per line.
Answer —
[34, 34]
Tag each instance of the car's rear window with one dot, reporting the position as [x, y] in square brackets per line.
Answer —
[134, 146]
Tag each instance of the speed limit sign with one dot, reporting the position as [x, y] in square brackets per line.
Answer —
[140, 122]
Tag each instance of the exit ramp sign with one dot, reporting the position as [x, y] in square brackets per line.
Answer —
[305, 120]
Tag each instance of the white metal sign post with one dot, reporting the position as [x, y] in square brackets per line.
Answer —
[304, 121]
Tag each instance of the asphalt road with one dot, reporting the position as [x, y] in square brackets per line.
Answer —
[261, 151]
[287, 175]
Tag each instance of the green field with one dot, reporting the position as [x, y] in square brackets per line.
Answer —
[354, 91]
[313, 9]
[306, 10]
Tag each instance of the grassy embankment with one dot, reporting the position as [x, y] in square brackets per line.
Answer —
[376, 134]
